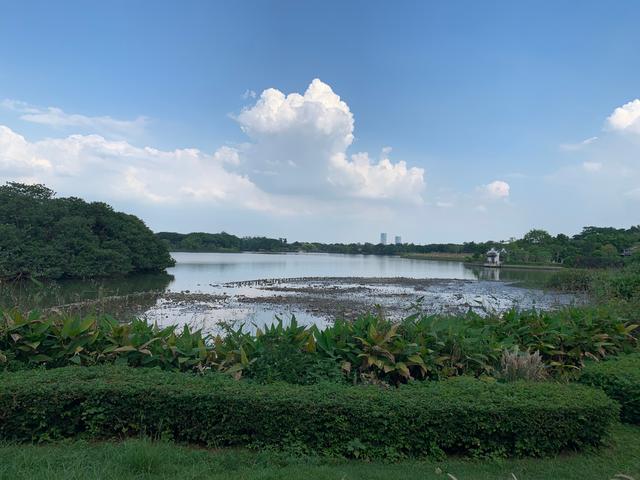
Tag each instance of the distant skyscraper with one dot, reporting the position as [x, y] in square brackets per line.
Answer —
[398, 240]
[383, 238]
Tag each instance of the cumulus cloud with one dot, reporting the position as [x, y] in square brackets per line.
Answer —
[94, 166]
[15, 155]
[626, 117]
[496, 189]
[58, 118]
[362, 178]
[298, 145]
[295, 160]
[228, 155]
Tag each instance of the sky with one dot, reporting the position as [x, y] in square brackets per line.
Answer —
[330, 121]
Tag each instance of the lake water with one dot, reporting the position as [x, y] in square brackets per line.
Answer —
[206, 288]
[198, 270]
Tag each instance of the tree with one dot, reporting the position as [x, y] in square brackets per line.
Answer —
[46, 237]
[537, 237]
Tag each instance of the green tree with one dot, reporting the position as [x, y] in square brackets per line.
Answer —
[42, 236]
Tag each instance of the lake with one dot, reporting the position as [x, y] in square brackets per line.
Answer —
[204, 289]
[197, 270]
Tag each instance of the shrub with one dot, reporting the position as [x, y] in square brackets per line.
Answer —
[516, 365]
[461, 416]
[370, 349]
[620, 379]
[568, 280]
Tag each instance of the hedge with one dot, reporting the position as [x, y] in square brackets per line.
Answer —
[619, 377]
[461, 416]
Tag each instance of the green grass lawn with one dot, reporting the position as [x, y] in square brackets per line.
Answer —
[143, 459]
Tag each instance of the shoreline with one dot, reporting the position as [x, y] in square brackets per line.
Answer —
[520, 267]
[464, 259]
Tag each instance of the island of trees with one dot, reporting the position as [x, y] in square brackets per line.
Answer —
[594, 247]
[42, 236]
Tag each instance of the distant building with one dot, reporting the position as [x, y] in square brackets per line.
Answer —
[398, 240]
[493, 257]
[383, 238]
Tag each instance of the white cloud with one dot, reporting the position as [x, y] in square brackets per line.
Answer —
[592, 166]
[362, 178]
[228, 155]
[569, 147]
[58, 118]
[15, 155]
[249, 94]
[299, 147]
[626, 117]
[441, 204]
[295, 161]
[496, 189]
[96, 167]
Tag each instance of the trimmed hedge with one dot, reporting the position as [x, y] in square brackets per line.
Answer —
[619, 377]
[462, 415]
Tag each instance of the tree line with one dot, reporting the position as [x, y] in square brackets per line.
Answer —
[594, 247]
[42, 236]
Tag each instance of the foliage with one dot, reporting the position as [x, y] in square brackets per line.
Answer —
[287, 353]
[370, 349]
[620, 378]
[604, 286]
[594, 247]
[32, 339]
[517, 365]
[219, 242]
[465, 415]
[571, 280]
[46, 237]
[619, 285]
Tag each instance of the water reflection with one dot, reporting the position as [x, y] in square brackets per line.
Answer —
[30, 294]
[524, 276]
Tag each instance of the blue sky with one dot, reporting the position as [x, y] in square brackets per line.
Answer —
[504, 114]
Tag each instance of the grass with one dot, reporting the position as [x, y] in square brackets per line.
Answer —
[145, 459]
[447, 257]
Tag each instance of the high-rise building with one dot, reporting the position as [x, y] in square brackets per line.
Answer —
[398, 240]
[383, 238]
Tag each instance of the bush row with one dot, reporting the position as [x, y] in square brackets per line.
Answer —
[369, 348]
[460, 416]
[619, 377]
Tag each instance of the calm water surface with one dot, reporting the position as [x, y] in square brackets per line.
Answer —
[196, 271]
[205, 272]
[210, 272]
